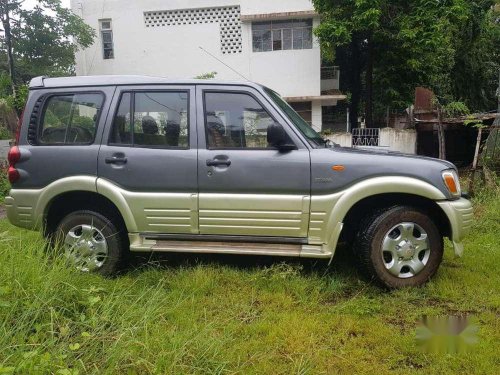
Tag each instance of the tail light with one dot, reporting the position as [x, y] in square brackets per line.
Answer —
[14, 153]
[13, 157]
[13, 174]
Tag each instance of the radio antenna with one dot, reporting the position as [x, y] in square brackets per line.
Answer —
[223, 63]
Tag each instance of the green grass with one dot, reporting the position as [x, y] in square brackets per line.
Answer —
[241, 315]
[4, 181]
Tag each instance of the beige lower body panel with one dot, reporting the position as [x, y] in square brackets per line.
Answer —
[317, 219]
[26, 208]
[254, 214]
[460, 215]
[164, 212]
[155, 212]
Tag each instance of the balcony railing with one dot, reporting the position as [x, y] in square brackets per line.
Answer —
[330, 72]
[365, 137]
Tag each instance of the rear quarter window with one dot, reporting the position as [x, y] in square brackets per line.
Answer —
[70, 119]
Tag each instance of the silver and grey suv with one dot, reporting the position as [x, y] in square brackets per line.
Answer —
[110, 164]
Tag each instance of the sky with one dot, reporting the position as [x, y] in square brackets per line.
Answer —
[31, 3]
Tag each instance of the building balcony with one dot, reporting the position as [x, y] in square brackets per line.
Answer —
[329, 78]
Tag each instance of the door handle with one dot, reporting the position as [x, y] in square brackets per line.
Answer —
[116, 160]
[218, 162]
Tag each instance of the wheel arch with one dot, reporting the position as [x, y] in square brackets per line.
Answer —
[376, 192]
[69, 201]
[360, 209]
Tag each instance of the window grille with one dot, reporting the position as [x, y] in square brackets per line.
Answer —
[365, 136]
[227, 17]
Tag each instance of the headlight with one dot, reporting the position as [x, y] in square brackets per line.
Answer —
[451, 181]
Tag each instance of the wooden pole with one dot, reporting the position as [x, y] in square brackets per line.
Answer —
[475, 161]
[476, 153]
[441, 136]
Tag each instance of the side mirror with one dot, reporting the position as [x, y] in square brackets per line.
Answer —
[277, 137]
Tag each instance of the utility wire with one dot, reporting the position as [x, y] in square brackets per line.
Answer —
[223, 63]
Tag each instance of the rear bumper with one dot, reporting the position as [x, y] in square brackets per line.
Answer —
[460, 216]
[20, 206]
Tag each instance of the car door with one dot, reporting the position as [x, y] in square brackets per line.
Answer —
[149, 155]
[247, 188]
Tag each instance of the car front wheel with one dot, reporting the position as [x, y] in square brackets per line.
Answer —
[399, 247]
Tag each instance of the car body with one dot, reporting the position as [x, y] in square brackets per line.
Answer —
[208, 166]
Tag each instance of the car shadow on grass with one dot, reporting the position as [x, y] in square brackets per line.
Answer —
[343, 264]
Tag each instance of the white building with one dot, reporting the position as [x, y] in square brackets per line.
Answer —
[266, 41]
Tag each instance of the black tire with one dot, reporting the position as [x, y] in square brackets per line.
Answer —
[113, 237]
[369, 241]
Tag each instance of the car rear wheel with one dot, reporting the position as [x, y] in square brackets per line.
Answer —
[90, 242]
[399, 247]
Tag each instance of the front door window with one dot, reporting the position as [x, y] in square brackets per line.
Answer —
[235, 120]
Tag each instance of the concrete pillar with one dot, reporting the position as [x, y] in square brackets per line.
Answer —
[343, 139]
[316, 116]
[399, 140]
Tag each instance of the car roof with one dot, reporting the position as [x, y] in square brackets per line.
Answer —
[115, 80]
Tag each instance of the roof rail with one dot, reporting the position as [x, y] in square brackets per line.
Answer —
[37, 82]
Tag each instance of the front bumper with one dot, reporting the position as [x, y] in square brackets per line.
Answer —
[460, 216]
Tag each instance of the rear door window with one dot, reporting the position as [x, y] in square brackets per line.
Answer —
[70, 119]
[155, 119]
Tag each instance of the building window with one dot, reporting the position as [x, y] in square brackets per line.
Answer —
[282, 35]
[107, 39]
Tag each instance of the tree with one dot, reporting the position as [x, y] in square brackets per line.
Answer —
[388, 47]
[5, 9]
[209, 75]
[477, 61]
[40, 41]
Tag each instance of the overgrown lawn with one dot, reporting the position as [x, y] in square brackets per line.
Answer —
[214, 314]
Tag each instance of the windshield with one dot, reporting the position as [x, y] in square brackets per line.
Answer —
[314, 138]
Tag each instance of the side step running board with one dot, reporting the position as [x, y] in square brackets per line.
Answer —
[229, 247]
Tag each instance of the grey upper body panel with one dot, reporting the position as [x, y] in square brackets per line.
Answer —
[361, 165]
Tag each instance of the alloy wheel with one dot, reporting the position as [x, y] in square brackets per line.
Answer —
[86, 247]
[405, 250]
